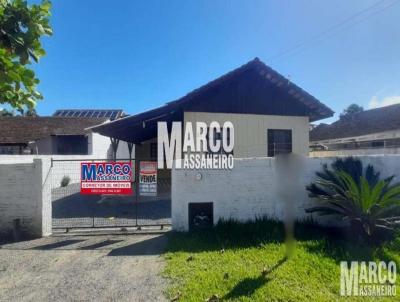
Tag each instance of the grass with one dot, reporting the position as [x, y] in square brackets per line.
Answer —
[229, 260]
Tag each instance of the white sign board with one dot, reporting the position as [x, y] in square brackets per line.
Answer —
[148, 178]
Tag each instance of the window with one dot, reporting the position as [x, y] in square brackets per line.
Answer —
[72, 144]
[378, 144]
[153, 150]
[279, 141]
[201, 215]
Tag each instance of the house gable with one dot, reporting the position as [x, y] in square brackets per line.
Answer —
[248, 93]
[253, 88]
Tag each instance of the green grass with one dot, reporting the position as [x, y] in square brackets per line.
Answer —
[228, 261]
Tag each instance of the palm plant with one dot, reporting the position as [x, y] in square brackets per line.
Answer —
[357, 195]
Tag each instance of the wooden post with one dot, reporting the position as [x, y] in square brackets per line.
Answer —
[130, 148]
[114, 145]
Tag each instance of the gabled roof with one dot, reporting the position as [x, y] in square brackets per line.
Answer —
[253, 88]
[358, 124]
[21, 130]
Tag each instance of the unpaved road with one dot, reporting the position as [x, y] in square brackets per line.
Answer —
[95, 268]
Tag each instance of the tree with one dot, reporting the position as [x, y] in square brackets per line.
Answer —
[21, 27]
[357, 195]
[353, 108]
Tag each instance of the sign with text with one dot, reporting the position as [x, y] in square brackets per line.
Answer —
[106, 178]
[148, 178]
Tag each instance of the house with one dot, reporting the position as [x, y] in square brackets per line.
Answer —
[375, 131]
[268, 111]
[64, 133]
[270, 114]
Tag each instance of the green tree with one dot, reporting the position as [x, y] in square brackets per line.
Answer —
[358, 195]
[353, 108]
[21, 27]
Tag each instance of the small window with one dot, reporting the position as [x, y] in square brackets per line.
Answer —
[378, 144]
[201, 215]
[153, 150]
[72, 144]
[279, 141]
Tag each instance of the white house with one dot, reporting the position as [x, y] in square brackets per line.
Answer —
[375, 131]
[270, 115]
[64, 133]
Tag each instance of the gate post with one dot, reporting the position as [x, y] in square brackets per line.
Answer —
[137, 167]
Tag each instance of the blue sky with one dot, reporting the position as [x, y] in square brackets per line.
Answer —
[136, 55]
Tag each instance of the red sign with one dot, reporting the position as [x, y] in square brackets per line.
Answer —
[106, 178]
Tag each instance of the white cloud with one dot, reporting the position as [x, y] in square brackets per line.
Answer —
[386, 101]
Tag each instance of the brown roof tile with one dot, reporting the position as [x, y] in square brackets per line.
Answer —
[21, 130]
[362, 123]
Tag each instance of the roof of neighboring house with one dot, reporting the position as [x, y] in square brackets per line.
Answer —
[253, 88]
[358, 124]
[21, 130]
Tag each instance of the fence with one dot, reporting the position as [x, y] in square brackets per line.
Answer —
[74, 210]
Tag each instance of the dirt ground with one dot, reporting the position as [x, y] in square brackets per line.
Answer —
[84, 268]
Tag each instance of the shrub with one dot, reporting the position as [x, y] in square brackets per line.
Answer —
[357, 195]
[65, 181]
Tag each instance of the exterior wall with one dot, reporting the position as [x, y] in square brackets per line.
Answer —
[369, 137]
[251, 137]
[24, 196]
[143, 150]
[273, 187]
[100, 147]
[391, 140]
[355, 152]
[43, 146]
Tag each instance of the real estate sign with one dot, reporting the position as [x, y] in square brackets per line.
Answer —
[106, 178]
[148, 178]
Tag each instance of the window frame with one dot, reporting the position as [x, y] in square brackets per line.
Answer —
[271, 149]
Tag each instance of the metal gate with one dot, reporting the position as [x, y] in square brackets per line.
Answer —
[70, 209]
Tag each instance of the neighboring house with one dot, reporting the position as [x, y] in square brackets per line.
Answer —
[270, 114]
[65, 133]
[375, 131]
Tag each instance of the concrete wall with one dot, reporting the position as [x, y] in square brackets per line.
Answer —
[273, 187]
[25, 188]
[251, 130]
[25, 196]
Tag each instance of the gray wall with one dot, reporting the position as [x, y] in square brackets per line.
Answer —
[25, 195]
[273, 187]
